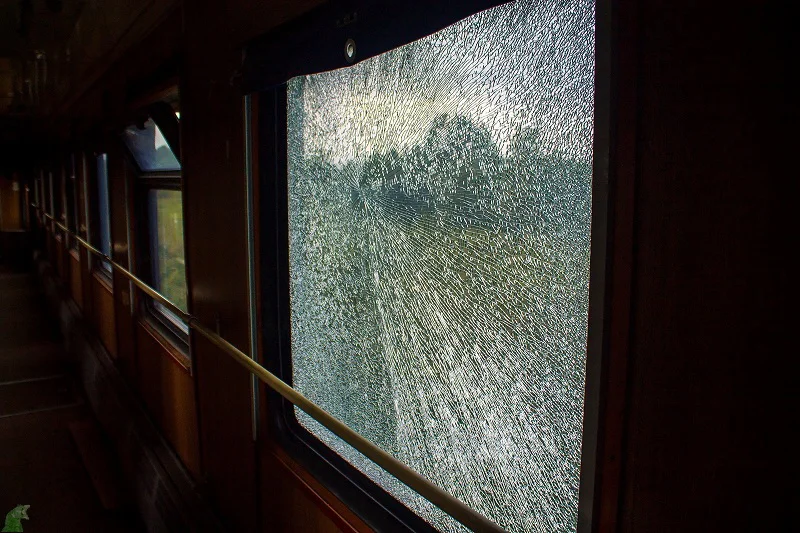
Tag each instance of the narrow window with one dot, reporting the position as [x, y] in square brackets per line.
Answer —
[160, 208]
[104, 237]
[439, 208]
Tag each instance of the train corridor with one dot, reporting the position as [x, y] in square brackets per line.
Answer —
[53, 459]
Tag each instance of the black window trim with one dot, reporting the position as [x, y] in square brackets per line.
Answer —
[294, 49]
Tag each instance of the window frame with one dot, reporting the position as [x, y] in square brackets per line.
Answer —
[288, 51]
[167, 323]
[168, 320]
[94, 216]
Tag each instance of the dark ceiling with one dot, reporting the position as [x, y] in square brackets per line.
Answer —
[33, 39]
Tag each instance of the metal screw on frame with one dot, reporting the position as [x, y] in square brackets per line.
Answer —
[350, 50]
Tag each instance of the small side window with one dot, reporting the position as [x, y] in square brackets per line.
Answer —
[104, 234]
[159, 201]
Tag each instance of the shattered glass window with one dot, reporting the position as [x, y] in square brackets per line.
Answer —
[439, 224]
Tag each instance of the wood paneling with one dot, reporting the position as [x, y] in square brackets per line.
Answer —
[216, 253]
[289, 509]
[50, 242]
[296, 506]
[75, 283]
[167, 389]
[10, 203]
[712, 407]
[103, 314]
[60, 261]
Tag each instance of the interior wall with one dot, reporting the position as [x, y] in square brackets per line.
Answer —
[10, 203]
[706, 447]
[216, 227]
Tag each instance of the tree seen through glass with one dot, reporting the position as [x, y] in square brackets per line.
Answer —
[169, 266]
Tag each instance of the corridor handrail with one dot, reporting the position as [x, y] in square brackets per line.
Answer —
[436, 495]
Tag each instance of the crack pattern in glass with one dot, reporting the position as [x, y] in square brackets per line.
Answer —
[439, 227]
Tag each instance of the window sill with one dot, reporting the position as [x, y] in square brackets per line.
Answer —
[177, 349]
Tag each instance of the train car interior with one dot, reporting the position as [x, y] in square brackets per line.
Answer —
[383, 265]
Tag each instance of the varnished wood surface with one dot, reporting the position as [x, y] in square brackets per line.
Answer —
[10, 203]
[168, 391]
[706, 444]
[103, 307]
[75, 287]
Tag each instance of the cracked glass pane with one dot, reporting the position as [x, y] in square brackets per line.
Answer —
[439, 224]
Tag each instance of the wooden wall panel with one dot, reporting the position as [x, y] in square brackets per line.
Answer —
[50, 242]
[216, 252]
[708, 444]
[103, 314]
[10, 203]
[75, 284]
[167, 389]
[296, 507]
[60, 262]
[290, 509]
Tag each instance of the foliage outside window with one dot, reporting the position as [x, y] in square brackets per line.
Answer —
[166, 245]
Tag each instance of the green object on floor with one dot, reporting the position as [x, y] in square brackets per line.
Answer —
[15, 517]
